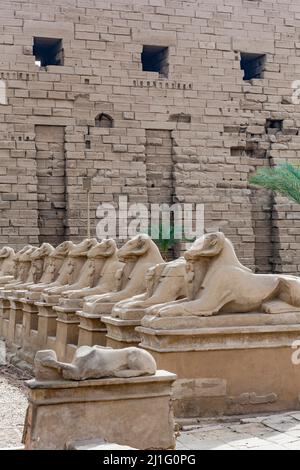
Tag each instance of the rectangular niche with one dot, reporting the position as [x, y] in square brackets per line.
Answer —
[253, 65]
[155, 59]
[48, 51]
[51, 185]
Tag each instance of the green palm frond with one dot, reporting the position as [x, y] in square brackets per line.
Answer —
[160, 230]
[283, 179]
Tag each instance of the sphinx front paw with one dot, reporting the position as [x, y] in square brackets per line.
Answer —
[115, 314]
[170, 312]
[71, 295]
[152, 311]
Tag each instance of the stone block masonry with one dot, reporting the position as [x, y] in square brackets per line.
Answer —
[213, 127]
[50, 183]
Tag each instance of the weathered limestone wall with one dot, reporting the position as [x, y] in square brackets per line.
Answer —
[50, 157]
[216, 120]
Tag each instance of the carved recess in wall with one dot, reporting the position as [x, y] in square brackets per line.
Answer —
[163, 84]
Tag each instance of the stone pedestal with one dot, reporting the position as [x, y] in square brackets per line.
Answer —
[66, 333]
[72, 304]
[47, 324]
[136, 412]
[14, 336]
[29, 331]
[228, 364]
[121, 333]
[4, 317]
[91, 330]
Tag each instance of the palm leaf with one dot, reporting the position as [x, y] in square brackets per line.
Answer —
[283, 179]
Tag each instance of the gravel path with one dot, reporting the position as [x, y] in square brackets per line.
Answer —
[13, 403]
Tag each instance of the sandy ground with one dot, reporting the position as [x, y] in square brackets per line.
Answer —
[13, 405]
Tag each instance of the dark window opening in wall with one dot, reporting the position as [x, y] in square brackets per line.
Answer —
[104, 120]
[155, 59]
[252, 150]
[181, 117]
[274, 125]
[48, 51]
[253, 65]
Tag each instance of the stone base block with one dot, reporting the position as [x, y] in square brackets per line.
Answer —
[136, 412]
[6, 293]
[4, 317]
[51, 341]
[91, 330]
[47, 324]
[19, 294]
[33, 296]
[74, 304]
[67, 332]
[15, 318]
[30, 331]
[5, 324]
[52, 299]
[228, 364]
[121, 333]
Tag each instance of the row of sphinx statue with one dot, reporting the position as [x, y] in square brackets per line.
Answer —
[134, 280]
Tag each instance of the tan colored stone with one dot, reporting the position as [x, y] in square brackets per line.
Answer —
[136, 412]
[220, 284]
[96, 362]
[7, 255]
[72, 271]
[165, 282]
[139, 254]
[102, 266]
[227, 364]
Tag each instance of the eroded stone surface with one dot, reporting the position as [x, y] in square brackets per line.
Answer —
[94, 363]
[165, 282]
[134, 411]
[99, 277]
[218, 283]
[275, 431]
[139, 254]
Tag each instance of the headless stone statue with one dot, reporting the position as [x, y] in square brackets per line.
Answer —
[221, 284]
[165, 282]
[95, 363]
[138, 255]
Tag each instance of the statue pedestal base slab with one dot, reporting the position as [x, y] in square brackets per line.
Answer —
[4, 315]
[228, 364]
[136, 412]
[91, 330]
[66, 333]
[47, 324]
[14, 336]
[29, 331]
[121, 333]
